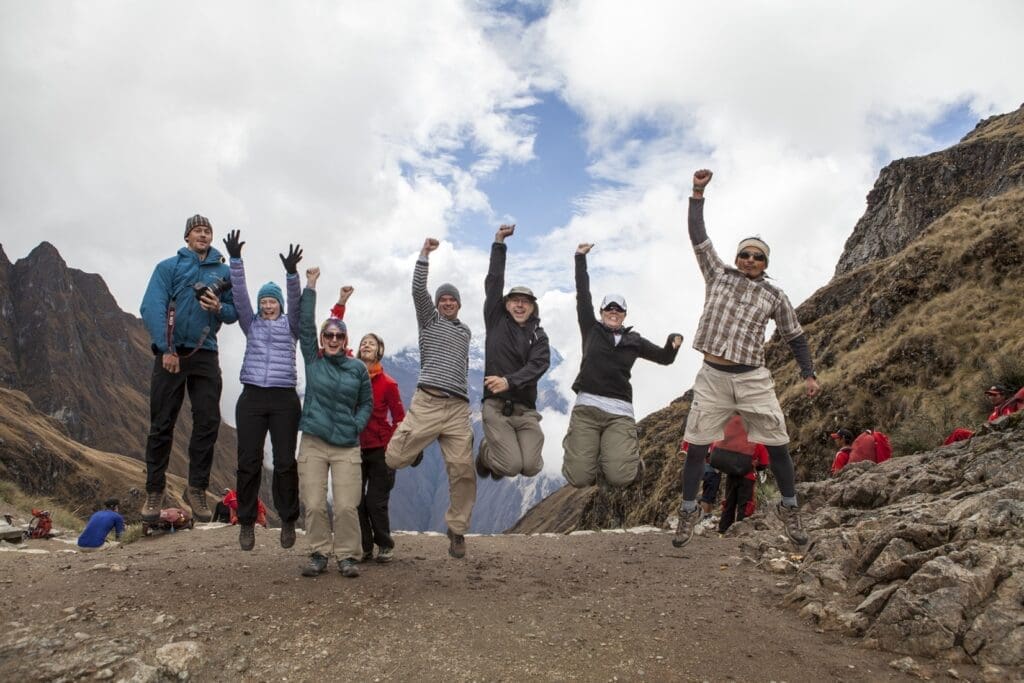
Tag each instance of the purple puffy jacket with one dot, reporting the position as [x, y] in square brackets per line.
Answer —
[270, 344]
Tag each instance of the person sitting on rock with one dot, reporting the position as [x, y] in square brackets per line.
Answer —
[602, 436]
[101, 523]
[844, 438]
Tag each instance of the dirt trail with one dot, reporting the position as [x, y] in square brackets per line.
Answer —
[593, 607]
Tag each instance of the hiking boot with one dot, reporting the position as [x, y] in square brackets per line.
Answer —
[317, 565]
[287, 534]
[195, 498]
[348, 567]
[367, 556]
[790, 517]
[385, 555]
[684, 528]
[457, 545]
[247, 536]
[151, 508]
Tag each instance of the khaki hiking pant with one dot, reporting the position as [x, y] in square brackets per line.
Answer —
[599, 441]
[514, 443]
[316, 459]
[447, 421]
[718, 395]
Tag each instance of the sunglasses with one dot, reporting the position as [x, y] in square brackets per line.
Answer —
[335, 336]
[613, 308]
[756, 257]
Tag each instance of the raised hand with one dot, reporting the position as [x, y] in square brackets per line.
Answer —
[232, 244]
[344, 293]
[312, 275]
[677, 341]
[429, 245]
[291, 261]
[584, 248]
[503, 232]
[701, 179]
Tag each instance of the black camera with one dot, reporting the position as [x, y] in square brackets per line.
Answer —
[507, 408]
[217, 287]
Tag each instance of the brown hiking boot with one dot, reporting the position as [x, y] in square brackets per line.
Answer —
[790, 517]
[195, 498]
[287, 534]
[247, 536]
[151, 508]
[684, 527]
[457, 545]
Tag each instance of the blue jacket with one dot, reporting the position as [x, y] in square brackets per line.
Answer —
[99, 525]
[172, 280]
[270, 344]
[338, 398]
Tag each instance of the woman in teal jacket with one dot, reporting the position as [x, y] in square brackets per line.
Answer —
[337, 406]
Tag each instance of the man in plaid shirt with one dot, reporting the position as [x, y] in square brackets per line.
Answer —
[739, 303]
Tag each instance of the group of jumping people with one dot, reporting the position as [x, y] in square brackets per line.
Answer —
[356, 431]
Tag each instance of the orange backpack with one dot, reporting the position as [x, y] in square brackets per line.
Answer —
[41, 524]
[873, 446]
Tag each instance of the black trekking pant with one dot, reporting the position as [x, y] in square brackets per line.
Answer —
[199, 374]
[738, 492]
[378, 480]
[259, 410]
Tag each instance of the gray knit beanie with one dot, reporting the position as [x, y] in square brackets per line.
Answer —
[449, 289]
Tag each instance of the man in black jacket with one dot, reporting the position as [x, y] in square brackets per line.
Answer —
[517, 356]
[602, 434]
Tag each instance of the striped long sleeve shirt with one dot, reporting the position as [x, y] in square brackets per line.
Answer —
[444, 344]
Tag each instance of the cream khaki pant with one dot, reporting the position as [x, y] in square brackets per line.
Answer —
[514, 442]
[447, 421]
[316, 460]
[718, 395]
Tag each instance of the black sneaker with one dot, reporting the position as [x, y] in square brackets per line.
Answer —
[287, 534]
[790, 517]
[457, 545]
[367, 556]
[247, 536]
[151, 508]
[684, 527]
[349, 567]
[195, 498]
[317, 565]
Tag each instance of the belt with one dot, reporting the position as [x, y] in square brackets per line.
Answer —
[440, 393]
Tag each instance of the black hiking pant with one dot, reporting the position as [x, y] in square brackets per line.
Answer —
[259, 410]
[738, 492]
[199, 374]
[378, 480]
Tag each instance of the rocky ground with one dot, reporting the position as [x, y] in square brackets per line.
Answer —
[589, 606]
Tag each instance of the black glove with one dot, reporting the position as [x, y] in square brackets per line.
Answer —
[291, 261]
[234, 247]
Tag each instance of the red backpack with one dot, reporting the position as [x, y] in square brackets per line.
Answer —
[41, 524]
[873, 446]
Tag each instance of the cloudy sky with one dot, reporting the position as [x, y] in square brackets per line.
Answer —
[359, 129]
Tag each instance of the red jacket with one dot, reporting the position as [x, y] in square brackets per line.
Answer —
[842, 458]
[386, 399]
[735, 440]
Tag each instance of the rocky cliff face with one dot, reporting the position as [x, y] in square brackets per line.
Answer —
[84, 362]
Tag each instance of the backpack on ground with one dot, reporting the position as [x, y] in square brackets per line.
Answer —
[873, 446]
[171, 519]
[41, 525]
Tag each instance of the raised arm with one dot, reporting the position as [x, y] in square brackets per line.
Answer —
[695, 219]
[338, 309]
[243, 305]
[665, 355]
[307, 318]
[584, 302]
[291, 279]
[494, 283]
[425, 309]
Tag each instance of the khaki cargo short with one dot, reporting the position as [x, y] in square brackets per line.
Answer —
[718, 395]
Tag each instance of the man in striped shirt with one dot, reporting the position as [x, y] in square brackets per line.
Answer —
[440, 406]
[739, 303]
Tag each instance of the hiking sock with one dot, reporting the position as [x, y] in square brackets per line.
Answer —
[689, 505]
[782, 468]
[693, 470]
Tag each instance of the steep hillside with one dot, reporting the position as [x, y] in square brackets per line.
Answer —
[84, 362]
[904, 341]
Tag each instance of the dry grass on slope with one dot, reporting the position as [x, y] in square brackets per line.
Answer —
[912, 340]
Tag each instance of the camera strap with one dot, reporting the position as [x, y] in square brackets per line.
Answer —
[170, 332]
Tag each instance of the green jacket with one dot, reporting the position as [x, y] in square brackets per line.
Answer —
[338, 399]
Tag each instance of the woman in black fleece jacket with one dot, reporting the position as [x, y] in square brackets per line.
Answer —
[602, 431]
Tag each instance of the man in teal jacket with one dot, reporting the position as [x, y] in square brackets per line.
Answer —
[186, 302]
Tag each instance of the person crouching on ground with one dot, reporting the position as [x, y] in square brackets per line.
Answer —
[269, 401]
[337, 406]
[100, 524]
[602, 436]
[517, 356]
[739, 304]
